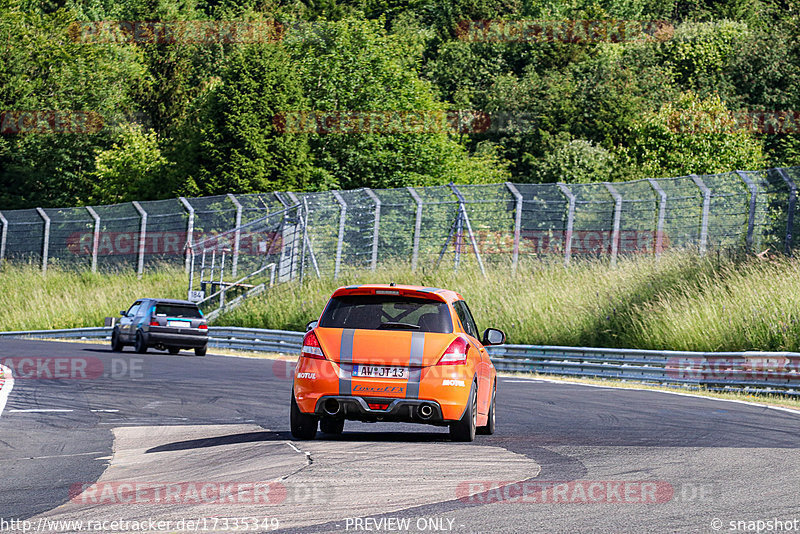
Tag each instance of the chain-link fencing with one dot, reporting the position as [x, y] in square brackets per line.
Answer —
[480, 225]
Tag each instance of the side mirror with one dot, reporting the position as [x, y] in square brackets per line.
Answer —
[123, 313]
[493, 336]
[311, 326]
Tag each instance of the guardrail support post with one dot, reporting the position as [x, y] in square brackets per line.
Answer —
[662, 207]
[462, 205]
[142, 236]
[517, 224]
[789, 215]
[751, 219]
[95, 236]
[417, 227]
[617, 214]
[706, 206]
[46, 238]
[570, 221]
[3, 237]
[237, 235]
[340, 240]
[189, 231]
[376, 227]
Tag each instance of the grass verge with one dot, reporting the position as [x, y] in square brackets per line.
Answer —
[682, 302]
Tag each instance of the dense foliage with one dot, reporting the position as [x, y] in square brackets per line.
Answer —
[207, 114]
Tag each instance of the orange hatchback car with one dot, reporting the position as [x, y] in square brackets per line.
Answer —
[395, 353]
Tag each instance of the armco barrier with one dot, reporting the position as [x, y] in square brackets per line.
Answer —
[766, 372]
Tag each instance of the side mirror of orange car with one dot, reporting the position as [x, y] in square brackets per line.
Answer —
[311, 326]
[493, 336]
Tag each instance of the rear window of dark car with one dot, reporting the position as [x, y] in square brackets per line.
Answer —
[178, 310]
[387, 312]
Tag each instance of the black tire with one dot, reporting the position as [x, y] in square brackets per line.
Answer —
[116, 344]
[174, 350]
[140, 346]
[304, 426]
[330, 425]
[200, 351]
[490, 424]
[464, 428]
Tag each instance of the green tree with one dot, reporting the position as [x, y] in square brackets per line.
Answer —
[693, 136]
[45, 69]
[232, 144]
[132, 169]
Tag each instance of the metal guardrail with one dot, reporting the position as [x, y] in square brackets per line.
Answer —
[764, 372]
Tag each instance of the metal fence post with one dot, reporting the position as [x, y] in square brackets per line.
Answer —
[617, 214]
[3, 237]
[789, 215]
[751, 219]
[339, 241]
[95, 237]
[237, 235]
[46, 238]
[706, 205]
[517, 224]
[417, 227]
[306, 239]
[189, 231]
[142, 236]
[662, 208]
[376, 227]
[570, 221]
[462, 205]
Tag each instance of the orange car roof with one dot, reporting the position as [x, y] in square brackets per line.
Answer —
[434, 293]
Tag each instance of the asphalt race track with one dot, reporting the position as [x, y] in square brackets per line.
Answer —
[566, 458]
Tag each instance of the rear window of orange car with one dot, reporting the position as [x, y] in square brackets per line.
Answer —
[177, 310]
[387, 312]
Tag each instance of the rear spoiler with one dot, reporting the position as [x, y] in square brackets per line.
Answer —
[429, 293]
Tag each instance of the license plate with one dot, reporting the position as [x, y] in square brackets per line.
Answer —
[180, 324]
[379, 371]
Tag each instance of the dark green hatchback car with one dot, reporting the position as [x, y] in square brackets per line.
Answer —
[163, 324]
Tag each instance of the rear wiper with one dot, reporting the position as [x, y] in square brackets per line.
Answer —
[398, 326]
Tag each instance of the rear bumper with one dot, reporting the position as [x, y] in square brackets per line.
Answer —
[170, 339]
[398, 410]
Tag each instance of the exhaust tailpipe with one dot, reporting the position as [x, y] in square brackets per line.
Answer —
[425, 411]
[331, 407]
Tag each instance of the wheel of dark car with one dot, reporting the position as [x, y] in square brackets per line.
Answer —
[200, 351]
[330, 425]
[304, 426]
[490, 423]
[140, 346]
[116, 344]
[174, 350]
[464, 428]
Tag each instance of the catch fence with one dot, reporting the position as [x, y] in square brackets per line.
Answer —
[497, 224]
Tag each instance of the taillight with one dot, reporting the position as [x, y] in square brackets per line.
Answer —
[154, 322]
[311, 348]
[456, 353]
[203, 327]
